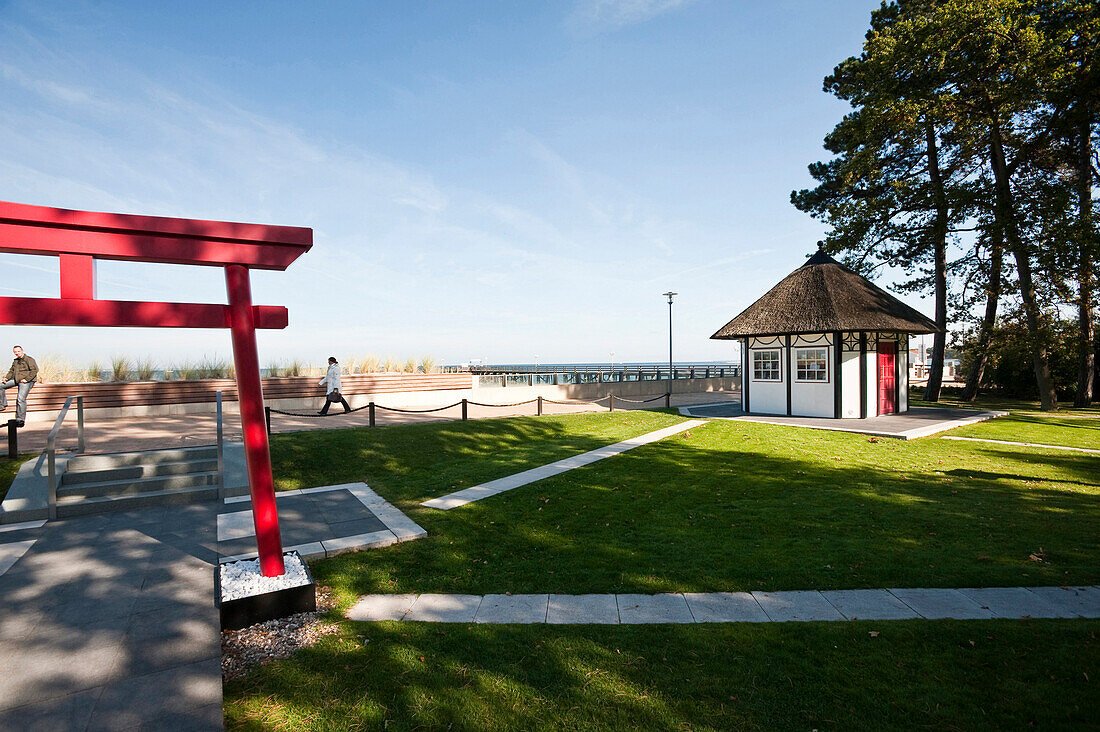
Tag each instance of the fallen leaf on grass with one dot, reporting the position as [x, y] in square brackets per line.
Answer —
[873, 634]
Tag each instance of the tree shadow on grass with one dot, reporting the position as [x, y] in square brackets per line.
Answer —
[428, 676]
[717, 515]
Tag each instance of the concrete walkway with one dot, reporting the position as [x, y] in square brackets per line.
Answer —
[126, 434]
[1022, 444]
[917, 422]
[108, 622]
[501, 485]
[736, 607]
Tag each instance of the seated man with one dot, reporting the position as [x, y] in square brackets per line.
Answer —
[23, 373]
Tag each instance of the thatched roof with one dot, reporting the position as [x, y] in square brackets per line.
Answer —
[823, 296]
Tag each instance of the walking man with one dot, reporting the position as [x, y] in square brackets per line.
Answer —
[23, 374]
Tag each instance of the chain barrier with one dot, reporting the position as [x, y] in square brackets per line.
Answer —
[638, 401]
[415, 411]
[315, 415]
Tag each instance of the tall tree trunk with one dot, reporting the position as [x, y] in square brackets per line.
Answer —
[992, 300]
[939, 253]
[1006, 221]
[1086, 364]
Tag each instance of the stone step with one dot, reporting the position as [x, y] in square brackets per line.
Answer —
[133, 472]
[154, 484]
[67, 509]
[82, 463]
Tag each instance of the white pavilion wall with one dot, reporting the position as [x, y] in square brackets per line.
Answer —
[816, 398]
[767, 397]
[849, 382]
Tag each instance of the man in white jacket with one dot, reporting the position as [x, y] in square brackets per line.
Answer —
[331, 382]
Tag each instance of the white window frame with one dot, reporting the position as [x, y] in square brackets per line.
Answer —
[778, 364]
[797, 369]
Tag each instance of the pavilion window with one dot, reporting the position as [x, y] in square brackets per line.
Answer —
[812, 364]
[765, 365]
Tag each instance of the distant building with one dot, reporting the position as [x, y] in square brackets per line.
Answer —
[825, 342]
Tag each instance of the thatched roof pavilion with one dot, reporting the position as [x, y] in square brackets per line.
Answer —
[823, 296]
[825, 342]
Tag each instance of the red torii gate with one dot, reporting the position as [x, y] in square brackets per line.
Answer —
[79, 238]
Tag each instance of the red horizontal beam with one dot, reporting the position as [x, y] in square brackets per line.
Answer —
[26, 229]
[128, 314]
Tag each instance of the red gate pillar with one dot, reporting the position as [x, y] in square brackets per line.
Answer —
[251, 399]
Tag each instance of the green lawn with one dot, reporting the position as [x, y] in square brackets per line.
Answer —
[1027, 423]
[725, 506]
[8, 468]
[913, 674]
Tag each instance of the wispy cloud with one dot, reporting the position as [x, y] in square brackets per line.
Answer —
[609, 15]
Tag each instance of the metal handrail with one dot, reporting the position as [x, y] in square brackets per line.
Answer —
[51, 447]
[221, 450]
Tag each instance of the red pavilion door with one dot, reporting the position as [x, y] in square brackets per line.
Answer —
[887, 377]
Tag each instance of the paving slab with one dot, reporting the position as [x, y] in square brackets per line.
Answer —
[1015, 602]
[917, 422]
[513, 609]
[1083, 601]
[321, 521]
[434, 608]
[10, 552]
[381, 607]
[510, 482]
[725, 607]
[598, 609]
[938, 603]
[664, 608]
[869, 605]
[797, 605]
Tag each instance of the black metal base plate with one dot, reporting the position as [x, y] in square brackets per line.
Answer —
[246, 611]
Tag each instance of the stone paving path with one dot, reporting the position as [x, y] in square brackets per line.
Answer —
[736, 607]
[108, 622]
[501, 485]
[1022, 444]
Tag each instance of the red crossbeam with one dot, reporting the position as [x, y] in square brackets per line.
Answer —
[129, 314]
[26, 229]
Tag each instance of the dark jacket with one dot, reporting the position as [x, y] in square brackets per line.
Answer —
[22, 368]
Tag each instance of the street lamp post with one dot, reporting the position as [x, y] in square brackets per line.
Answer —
[670, 295]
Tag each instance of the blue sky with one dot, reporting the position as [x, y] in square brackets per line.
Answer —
[484, 179]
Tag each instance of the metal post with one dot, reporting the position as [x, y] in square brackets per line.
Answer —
[540, 406]
[51, 469]
[13, 437]
[671, 373]
[251, 399]
[668, 400]
[221, 448]
[370, 410]
[463, 410]
[610, 402]
[80, 424]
